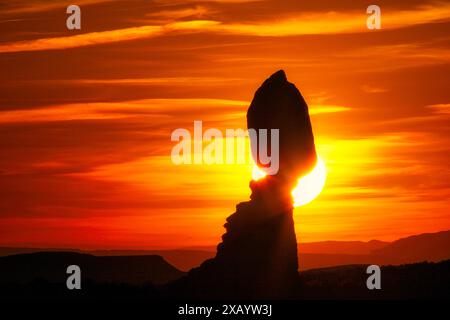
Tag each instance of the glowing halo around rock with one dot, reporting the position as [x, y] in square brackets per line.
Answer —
[311, 185]
[308, 186]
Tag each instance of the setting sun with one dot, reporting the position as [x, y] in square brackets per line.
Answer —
[308, 187]
[311, 185]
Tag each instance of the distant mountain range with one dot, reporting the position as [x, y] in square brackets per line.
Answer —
[417, 248]
[341, 247]
[182, 259]
[432, 247]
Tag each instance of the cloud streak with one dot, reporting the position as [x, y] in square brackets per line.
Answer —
[21, 7]
[82, 40]
[302, 24]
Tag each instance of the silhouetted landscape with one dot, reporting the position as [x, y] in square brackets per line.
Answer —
[432, 247]
[39, 276]
[145, 273]
[51, 266]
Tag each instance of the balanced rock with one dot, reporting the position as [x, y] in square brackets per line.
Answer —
[278, 104]
[257, 257]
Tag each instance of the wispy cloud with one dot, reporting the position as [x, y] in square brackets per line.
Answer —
[197, 11]
[20, 7]
[82, 40]
[443, 108]
[302, 24]
[319, 109]
[204, 81]
[161, 108]
[218, 109]
[324, 23]
[373, 89]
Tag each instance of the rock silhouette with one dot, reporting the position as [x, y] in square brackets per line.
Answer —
[278, 104]
[258, 255]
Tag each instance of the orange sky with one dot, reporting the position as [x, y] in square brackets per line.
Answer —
[86, 117]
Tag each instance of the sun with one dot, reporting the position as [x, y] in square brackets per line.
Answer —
[308, 186]
[311, 185]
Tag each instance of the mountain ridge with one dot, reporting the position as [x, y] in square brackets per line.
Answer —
[431, 246]
[51, 267]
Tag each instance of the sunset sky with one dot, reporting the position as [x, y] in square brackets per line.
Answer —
[86, 116]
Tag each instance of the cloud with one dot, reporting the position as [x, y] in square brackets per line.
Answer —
[443, 108]
[81, 40]
[175, 14]
[204, 81]
[157, 109]
[21, 7]
[373, 89]
[301, 24]
[323, 23]
[318, 109]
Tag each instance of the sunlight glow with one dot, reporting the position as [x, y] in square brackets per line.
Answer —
[311, 185]
[257, 173]
[308, 187]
